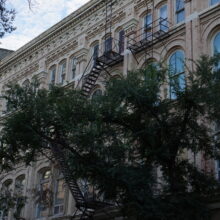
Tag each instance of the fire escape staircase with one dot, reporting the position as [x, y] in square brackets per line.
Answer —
[101, 63]
[86, 207]
[81, 203]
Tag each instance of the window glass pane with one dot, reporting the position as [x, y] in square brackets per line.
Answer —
[180, 16]
[19, 185]
[180, 10]
[163, 18]
[46, 174]
[179, 4]
[62, 72]
[176, 63]
[121, 41]
[214, 2]
[74, 67]
[148, 21]
[95, 53]
[176, 73]
[108, 44]
[217, 44]
[59, 197]
[52, 75]
[147, 25]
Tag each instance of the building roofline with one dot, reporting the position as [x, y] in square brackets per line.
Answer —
[74, 17]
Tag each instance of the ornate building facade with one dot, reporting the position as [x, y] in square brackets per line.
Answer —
[136, 32]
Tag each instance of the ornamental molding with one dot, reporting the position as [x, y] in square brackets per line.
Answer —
[67, 23]
[91, 33]
[139, 4]
[66, 48]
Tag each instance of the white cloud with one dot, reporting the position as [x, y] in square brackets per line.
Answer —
[31, 23]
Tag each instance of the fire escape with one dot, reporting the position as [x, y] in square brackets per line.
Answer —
[154, 31]
[104, 56]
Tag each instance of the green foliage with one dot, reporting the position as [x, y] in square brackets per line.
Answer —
[11, 202]
[6, 18]
[131, 143]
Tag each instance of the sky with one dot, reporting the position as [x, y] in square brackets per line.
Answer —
[31, 23]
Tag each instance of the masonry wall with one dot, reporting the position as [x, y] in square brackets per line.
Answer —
[76, 36]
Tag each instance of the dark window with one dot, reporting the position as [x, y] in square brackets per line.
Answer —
[74, 61]
[108, 45]
[121, 41]
[95, 53]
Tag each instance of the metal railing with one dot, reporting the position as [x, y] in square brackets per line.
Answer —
[150, 32]
[104, 50]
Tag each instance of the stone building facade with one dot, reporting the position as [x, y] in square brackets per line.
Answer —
[64, 53]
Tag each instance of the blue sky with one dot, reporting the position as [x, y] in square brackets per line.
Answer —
[31, 23]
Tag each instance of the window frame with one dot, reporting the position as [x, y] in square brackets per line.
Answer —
[62, 73]
[41, 182]
[147, 26]
[163, 27]
[177, 12]
[52, 69]
[121, 41]
[176, 75]
[73, 70]
[60, 206]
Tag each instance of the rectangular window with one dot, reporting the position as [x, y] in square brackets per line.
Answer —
[121, 41]
[62, 74]
[52, 75]
[59, 197]
[74, 61]
[163, 18]
[108, 45]
[148, 26]
[95, 53]
[180, 11]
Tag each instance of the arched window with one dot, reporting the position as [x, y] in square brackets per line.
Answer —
[6, 186]
[73, 67]
[19, 185]
[214, 2]
[180, 10]
[59, 193]
[52, 73]
[176, 72]
[163, 18]
[6, 191]
[216, 44]
[44, 195]
[62, 72]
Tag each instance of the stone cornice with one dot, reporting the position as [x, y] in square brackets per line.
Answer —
[54, 31]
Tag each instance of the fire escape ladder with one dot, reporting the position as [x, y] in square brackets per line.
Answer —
[81, 203]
